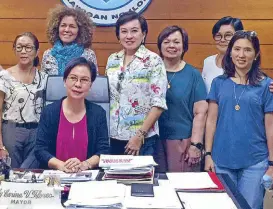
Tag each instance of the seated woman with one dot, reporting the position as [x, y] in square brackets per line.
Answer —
[21, 101]
[72, 132]
[70, 32]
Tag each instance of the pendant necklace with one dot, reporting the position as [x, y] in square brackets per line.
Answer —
[169, 83]
[237, 106]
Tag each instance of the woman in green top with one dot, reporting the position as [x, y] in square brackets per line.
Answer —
[182, 125]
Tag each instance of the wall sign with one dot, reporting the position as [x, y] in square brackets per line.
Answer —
[106, 12]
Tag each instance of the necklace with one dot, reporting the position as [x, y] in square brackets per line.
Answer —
[177, 68]
[237, 106]
[169, 83]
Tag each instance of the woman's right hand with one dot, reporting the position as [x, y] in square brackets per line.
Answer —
[209, 164]
[3, 154]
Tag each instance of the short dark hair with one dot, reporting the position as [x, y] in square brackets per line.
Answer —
[255, 74]
[236, 23]
[80, 61]
[168, 31]
[35, 42]
[129, 16]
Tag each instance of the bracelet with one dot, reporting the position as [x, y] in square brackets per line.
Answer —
[270, 163]
[140, 133]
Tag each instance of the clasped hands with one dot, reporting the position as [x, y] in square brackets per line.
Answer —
[74, 165]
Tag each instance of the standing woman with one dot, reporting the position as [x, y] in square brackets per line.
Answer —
[138, 86]
[222, 33]
[239, 128]
[182, 125]
[70, 31]
[21, 100]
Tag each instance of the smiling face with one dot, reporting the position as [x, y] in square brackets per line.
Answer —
[223, 37]
[68, 29]
[172, 46]
[78, 82]
[243, 54]
[25, 50]
[131, 35]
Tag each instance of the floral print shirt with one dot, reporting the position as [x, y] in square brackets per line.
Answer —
[134, 90]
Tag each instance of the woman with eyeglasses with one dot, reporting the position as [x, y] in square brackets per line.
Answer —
[72, 132]
[239, 127]
[70, 32]
[182, 125]
[21, 100]
[138, 86]
[222, 33]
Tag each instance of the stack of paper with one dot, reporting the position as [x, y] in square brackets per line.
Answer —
[128, 169]
[164, 198]
[96, 194]
[205, 200]
[191, 181]
[68, 178]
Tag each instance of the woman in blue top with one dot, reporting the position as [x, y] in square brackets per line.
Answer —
[239, 128]
[181, 127]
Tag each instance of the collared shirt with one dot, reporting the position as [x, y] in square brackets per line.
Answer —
[134, 90]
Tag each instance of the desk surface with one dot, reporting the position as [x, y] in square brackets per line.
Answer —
[231, 190]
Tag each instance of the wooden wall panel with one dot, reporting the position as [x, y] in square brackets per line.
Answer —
[159, 9]
[196, 16]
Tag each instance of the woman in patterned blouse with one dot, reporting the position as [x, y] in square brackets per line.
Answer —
[21, 101]
[70, 32]
[138, 85]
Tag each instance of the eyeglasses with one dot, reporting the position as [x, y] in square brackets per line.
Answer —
[227, 36]
[247, 33]
[84, 81]
[28, 48]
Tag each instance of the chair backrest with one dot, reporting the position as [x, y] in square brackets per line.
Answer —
[99, 92]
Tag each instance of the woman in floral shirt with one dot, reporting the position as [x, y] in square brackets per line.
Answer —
[138, 85]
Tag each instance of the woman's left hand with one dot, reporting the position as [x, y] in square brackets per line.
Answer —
[193, 155]
[72, 164]
[133, 146]
[83, 166]
[268, 178]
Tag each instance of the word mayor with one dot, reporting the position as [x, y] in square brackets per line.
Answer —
[24, 198]
[135, 8]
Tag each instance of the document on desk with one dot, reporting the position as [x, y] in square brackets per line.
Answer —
[164, 198]
[96, 194]
[88, 175]
[205, 200]
[191, 180]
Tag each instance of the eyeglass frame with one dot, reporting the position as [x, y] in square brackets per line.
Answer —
[77, 79]
[222, 36]
[24, 46]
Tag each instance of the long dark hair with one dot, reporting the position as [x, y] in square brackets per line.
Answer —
[255, 74]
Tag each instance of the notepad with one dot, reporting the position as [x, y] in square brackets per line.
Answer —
[191, 180]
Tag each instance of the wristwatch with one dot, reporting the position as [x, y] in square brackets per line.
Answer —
[207, 153]
[198, 145]
[270, 163]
